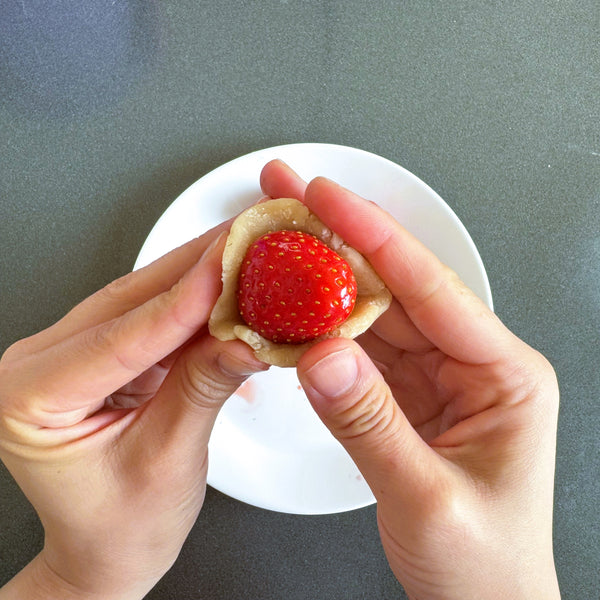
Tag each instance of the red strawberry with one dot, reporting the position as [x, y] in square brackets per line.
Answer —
[293, 288]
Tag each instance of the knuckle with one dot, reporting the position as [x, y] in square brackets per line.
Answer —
[169, 302]
[369, 415]
[445, 513]
[545, 390]
[10, 391]
[16, 350]
[116, 291]
[105, 338]
[547, 371]
[3, 386]
[174, 303]
[201, 383]
[7, 356]
[5, 371]
[539, 379]
[446, 279]
[99, 337]
[20, 394]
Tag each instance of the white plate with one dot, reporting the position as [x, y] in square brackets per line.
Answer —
[268, 447]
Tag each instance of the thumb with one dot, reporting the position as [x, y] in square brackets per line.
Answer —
[352, 399]
[203, 377]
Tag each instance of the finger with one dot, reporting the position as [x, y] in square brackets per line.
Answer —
[353, 401]
[412, 377]
[98, 361]
[180, 414]
[443, 309]
[142, 388]
[395, 328]
[278, 180]
[125, 293]
[205, 375]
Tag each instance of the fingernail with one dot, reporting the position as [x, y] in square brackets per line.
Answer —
[333, 375]
[215, 243]
[210, 255]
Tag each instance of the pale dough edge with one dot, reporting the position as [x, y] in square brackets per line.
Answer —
[225, 323]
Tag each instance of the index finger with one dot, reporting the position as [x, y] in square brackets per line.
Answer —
[60, 385]
[449, 314]
[125, 293]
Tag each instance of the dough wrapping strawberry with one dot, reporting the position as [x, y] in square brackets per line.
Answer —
[294, 298]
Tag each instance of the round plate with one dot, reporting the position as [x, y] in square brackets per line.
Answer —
[268, 447]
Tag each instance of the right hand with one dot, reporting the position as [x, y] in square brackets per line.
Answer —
[449, 416]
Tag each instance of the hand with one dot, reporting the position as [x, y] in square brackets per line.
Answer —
[105, 419]
[450, 418]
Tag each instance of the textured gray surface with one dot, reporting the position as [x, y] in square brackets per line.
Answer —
[108, 110]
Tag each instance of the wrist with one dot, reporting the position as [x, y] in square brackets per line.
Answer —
[39, 581]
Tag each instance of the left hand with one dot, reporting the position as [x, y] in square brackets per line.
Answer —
[105, 419]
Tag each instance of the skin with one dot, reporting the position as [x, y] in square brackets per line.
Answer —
[104, 423]
[450, 418]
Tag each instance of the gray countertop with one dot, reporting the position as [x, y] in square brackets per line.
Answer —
[108, 110]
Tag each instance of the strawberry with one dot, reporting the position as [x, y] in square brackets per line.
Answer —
[293, 288]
